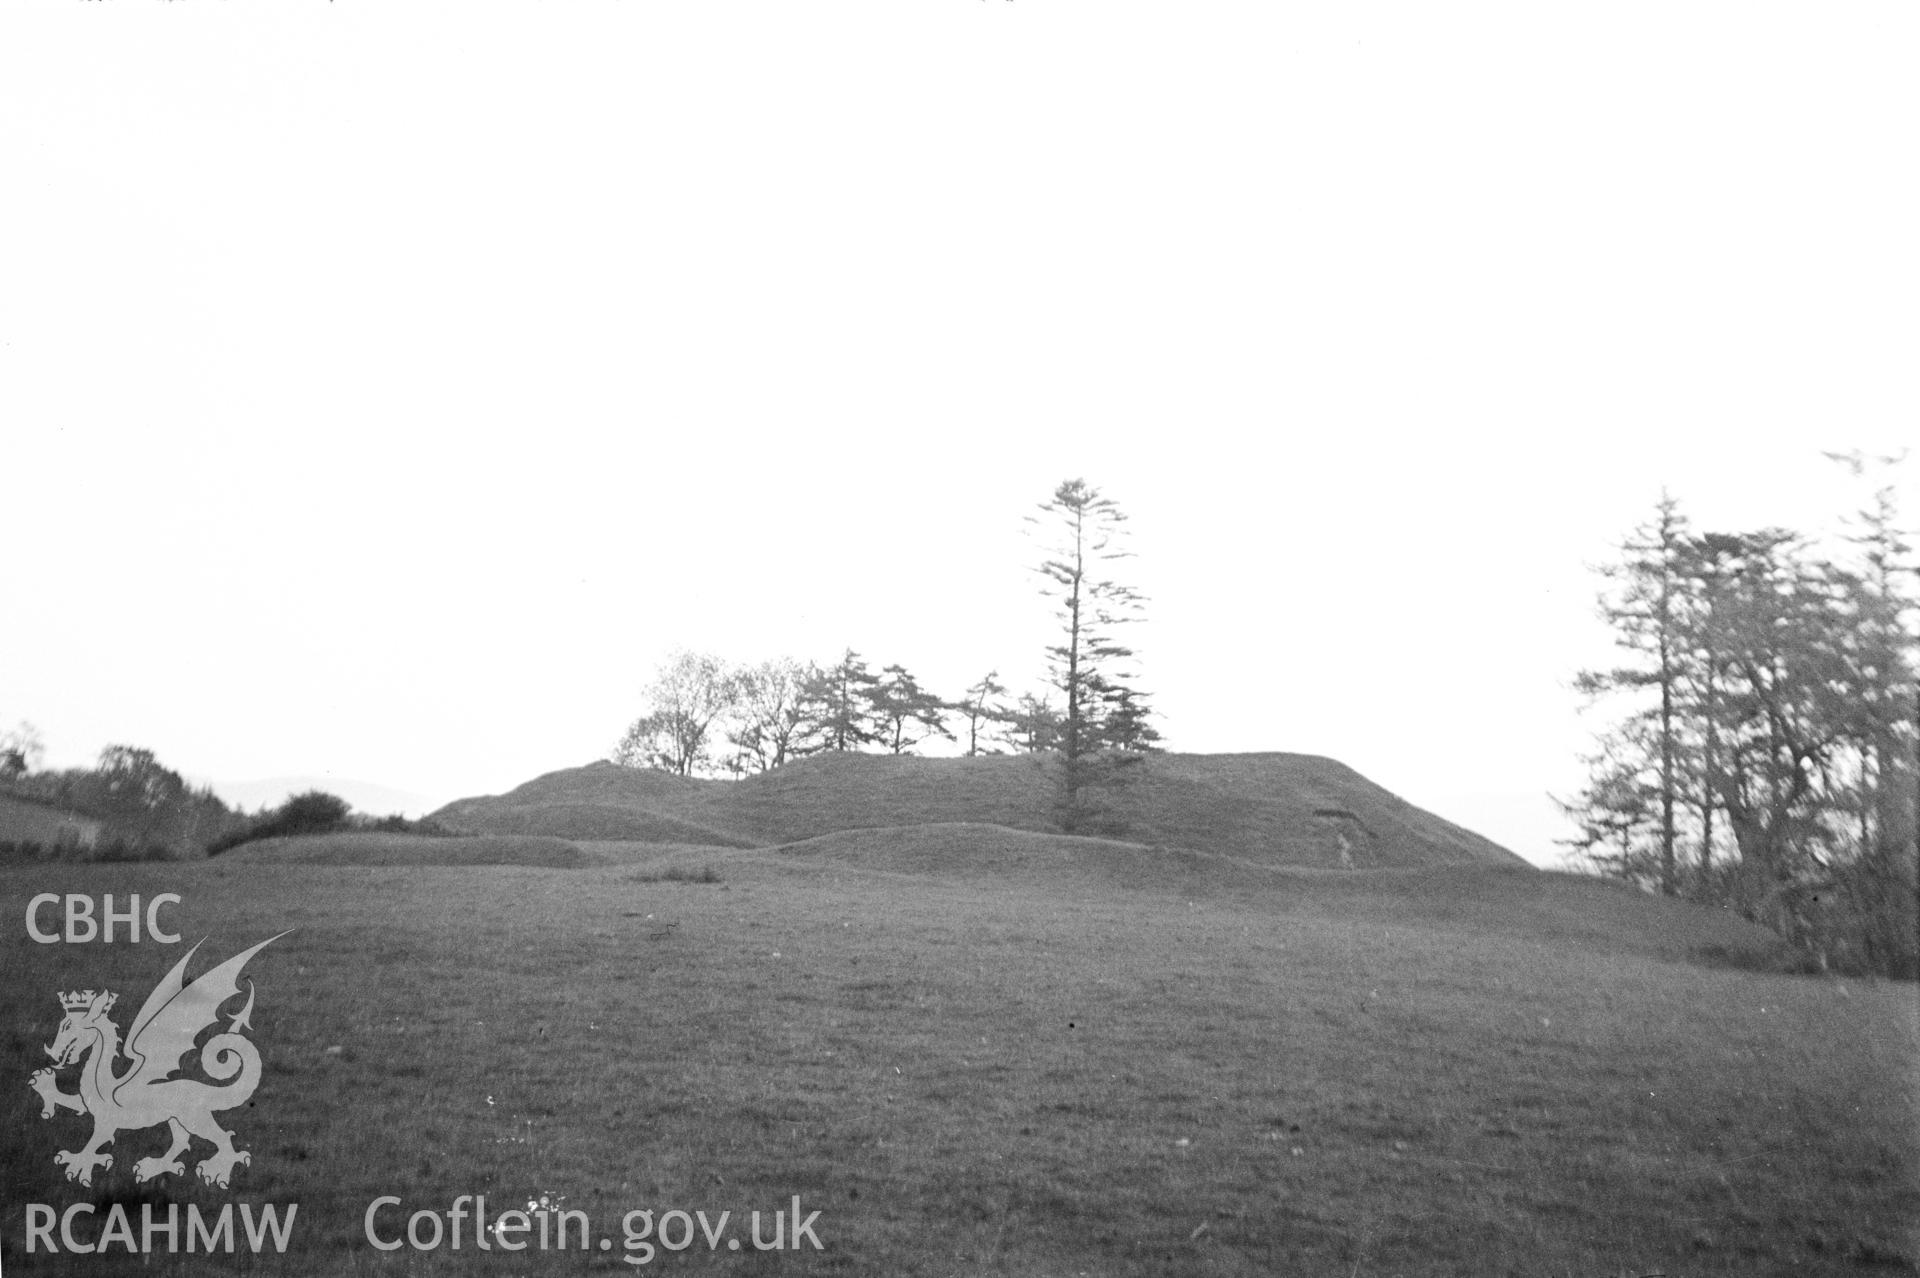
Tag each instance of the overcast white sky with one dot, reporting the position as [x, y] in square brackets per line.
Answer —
[387, 387]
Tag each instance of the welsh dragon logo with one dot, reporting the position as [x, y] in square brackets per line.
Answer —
[145, 1093]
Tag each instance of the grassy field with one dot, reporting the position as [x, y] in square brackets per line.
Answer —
[975, 1051]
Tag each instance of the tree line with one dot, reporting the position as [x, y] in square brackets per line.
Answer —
[704, 716]
[1761, 750]
[147, 811]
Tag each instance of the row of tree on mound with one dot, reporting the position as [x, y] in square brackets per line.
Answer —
[705, 717]
[709, 718]
[1765, 750]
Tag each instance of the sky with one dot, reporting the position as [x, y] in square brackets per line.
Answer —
[387, 389]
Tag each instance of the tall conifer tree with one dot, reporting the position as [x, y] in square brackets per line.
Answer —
[1088, 665]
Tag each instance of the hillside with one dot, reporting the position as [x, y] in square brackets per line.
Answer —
[1270, 809]
[1482, 901]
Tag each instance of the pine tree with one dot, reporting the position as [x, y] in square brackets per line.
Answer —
[840, 705]
[903, 713]
[985, 712]
[1124, 722]
[1643, 605]
[1772, 721]
[1088, 666]
[1712, 569]
[1878, 870]
[1035, 724]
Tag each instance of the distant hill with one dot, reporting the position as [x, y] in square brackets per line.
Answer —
[1272, 809]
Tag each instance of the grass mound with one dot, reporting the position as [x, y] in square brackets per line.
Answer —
[1293, 809]
[830, 792]
[609, 822]
[1276, 809]
[411, 849]
[990, 855]
[602, 801]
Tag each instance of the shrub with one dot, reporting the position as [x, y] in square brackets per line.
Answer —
[397, 824]
[314, 812]
[677, 874]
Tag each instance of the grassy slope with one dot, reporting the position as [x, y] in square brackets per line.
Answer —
[598, 801]
[1481, 900]
[1261, 807]
[987, 1052]
[1283, 790]
[371, 848]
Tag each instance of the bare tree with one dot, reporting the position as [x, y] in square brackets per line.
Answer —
[771, 717]
[688, 694]
[21, 750]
